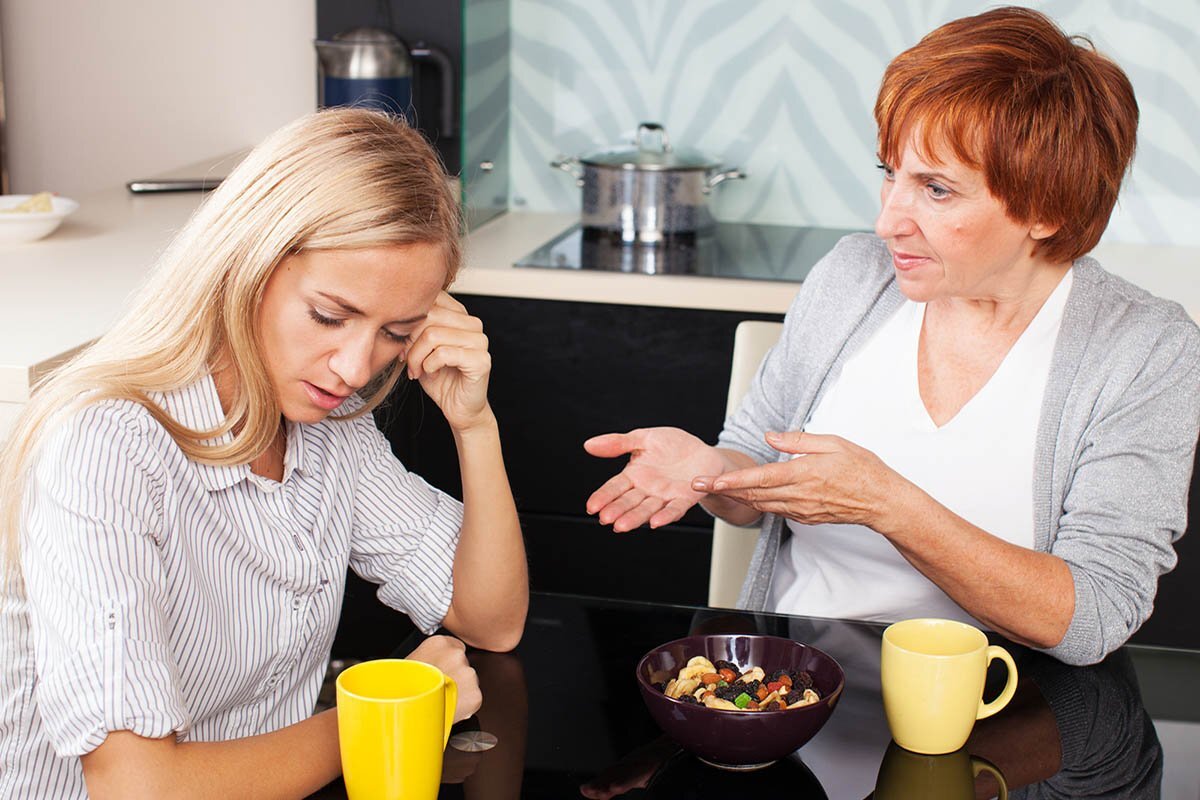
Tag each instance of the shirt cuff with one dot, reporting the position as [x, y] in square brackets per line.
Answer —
[131, 686]
[425, 588]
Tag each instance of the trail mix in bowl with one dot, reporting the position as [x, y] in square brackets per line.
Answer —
[727, 686]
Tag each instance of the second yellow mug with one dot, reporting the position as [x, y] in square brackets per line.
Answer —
[933, 672]
[394, 719]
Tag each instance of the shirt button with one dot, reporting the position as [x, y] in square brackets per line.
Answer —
[296, 603]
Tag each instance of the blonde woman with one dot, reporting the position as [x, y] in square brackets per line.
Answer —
[181, 501]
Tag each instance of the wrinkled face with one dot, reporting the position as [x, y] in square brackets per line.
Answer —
[330, 320]
[948, 235]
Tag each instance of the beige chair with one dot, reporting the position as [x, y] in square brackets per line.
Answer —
[733, 546]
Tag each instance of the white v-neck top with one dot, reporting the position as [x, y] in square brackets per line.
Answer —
[979, 464]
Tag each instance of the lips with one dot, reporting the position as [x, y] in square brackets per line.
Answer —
[907, 261]
[323, 399]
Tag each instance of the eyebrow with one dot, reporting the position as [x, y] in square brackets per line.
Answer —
[936, 176]
[349, 308]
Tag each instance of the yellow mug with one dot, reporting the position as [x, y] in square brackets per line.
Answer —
[394, 719]
[933, 672]
[904, 775]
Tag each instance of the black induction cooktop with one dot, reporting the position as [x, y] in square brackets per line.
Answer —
[730, 250]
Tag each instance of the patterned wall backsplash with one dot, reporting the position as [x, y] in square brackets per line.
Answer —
[784, 89]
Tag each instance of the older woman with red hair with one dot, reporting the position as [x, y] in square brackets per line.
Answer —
[965, 415]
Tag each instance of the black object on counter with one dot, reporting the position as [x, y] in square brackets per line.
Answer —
[729, 250]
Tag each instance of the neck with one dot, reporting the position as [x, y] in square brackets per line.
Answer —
[1013, 306]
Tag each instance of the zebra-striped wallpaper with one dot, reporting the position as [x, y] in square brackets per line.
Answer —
[784, 89]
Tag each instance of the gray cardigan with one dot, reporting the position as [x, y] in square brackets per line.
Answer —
[1115, 441]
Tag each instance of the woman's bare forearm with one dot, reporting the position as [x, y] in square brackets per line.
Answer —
[491, 579]
[292, 762]
[1026, 595]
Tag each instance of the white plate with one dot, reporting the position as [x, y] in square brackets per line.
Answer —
[27, 226]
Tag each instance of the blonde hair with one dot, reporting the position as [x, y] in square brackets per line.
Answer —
[335, 179]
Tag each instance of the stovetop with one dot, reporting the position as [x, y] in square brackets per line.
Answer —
[731, 250]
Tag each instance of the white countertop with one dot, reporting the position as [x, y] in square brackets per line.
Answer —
[63, 291]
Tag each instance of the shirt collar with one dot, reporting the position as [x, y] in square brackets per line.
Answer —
[198, 406]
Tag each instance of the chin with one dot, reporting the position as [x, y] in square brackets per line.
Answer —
[305, 414]
[914, 291]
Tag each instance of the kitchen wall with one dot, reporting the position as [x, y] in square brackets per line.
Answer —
[101, 92]
[785, 89]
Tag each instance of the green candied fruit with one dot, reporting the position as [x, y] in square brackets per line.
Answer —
[742, 700]
[721, 684]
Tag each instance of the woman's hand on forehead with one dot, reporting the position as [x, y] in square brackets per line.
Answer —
[450, 359]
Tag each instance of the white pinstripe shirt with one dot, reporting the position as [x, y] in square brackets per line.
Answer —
[167, 596]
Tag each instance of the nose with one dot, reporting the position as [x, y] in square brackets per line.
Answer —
[895, 212]
[351, 361]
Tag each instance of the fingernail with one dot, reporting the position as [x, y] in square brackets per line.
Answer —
[700, 485]
[719, 485]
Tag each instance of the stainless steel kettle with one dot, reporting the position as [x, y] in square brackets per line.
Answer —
[373, 67]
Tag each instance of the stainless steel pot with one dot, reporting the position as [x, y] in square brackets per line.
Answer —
[648, 193]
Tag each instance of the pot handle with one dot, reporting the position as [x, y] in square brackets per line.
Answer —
[721, 177]
[571, 166]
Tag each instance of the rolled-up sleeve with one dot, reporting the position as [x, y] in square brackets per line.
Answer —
[95, 584]
[1127, 501]
[405, 532]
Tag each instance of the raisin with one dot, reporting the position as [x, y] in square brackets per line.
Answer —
[729, 693]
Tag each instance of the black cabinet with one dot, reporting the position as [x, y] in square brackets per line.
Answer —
[563, 372]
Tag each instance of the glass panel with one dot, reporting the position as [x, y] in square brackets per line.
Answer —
[485, 111]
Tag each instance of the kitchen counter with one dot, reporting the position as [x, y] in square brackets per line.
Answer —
[64, 291]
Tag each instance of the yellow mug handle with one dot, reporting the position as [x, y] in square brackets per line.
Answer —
[1010, 688]
[451, 702]
[978, 765]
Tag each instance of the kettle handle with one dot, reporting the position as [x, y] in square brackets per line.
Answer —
[428, 53]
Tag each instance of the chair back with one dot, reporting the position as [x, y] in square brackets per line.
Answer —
[733, 546]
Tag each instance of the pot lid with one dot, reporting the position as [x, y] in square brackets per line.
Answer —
[652, 151]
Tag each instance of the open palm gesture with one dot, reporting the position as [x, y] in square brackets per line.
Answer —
[656, 485]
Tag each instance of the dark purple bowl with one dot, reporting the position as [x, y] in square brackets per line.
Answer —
[740, 739]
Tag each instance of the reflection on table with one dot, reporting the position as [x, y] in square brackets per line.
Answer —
[570, 723]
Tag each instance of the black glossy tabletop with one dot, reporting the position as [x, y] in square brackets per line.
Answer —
[569, 722]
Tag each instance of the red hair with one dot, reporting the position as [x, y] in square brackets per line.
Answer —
[1049, 122]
